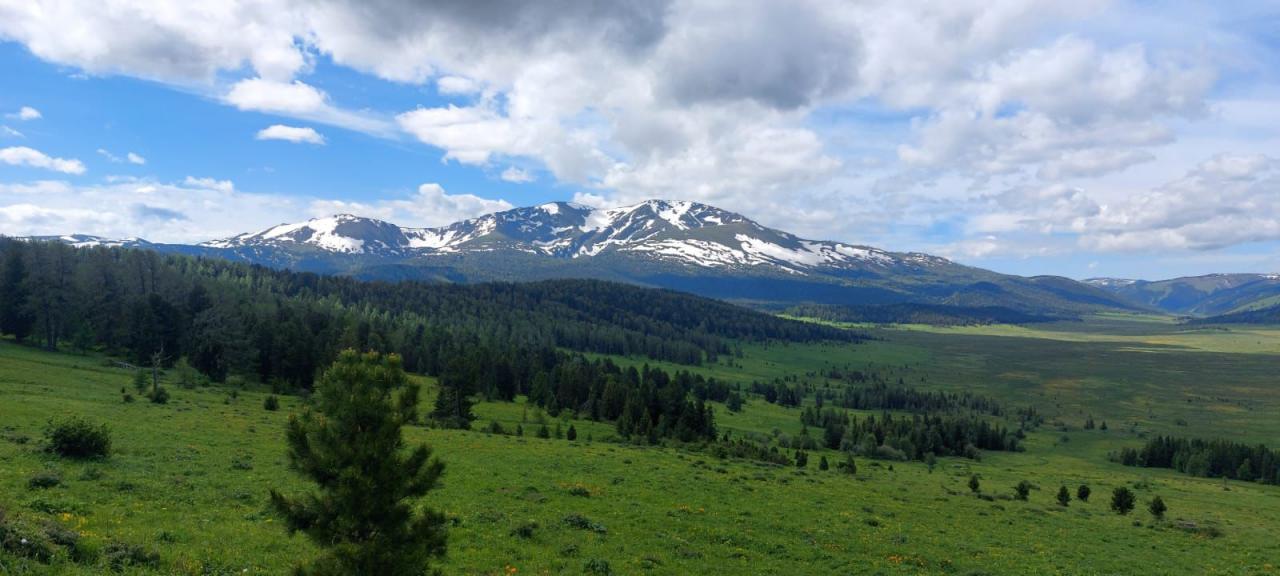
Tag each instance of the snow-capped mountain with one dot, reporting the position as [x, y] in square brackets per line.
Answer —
[678, 232]
[672, 244]
[87, 241]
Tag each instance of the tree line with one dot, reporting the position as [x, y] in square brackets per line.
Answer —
[280, 326]
[909, 437]
[1206, 458]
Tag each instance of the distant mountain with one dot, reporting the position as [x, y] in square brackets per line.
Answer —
[1208, 295]
[673, 244]
[1262, 314]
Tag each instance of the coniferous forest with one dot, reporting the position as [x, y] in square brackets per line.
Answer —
[239, 319]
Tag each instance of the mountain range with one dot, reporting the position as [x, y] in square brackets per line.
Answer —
[680, 245]
[1208, 295]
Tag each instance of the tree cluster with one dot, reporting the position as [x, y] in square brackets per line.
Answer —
[1207, 458]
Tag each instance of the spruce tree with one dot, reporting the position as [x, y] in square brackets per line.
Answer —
[1157, 507]
[850, 466]
[1082, 493]
[1122, 500]
[822, 463]
[974, 485]
[453, 403]
[572, 434]
[1064, 496]
[350, 444]
[1022, 490]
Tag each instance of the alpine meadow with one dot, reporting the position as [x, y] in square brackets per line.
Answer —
[407, 288]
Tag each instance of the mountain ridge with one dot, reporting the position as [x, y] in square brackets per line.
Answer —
[681, 245]
[1204, 295]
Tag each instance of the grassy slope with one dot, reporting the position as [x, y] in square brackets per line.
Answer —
[172, 485]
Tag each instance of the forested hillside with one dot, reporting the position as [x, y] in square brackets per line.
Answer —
[230, 318]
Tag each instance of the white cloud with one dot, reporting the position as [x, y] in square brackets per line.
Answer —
[10, 132]
[209, 184]
[517, 175]
[24, 156]
[157, 211]
[456, 85]
[430, 206]
[25, 113]
[293, 134]
[261, 95]
[131, 157]
[298, 99]
[747, 103]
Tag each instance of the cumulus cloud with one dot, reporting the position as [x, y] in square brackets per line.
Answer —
[430, 206]
[157, 211]
[516, 175]
[24, 156]
[293, 134]
[25, 113]
[744, 104]
[135, 158]
[200, 209]
[1225, 200]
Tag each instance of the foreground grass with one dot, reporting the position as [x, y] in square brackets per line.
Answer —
[189, 480]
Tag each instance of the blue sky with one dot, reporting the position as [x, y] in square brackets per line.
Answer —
[1131, 139]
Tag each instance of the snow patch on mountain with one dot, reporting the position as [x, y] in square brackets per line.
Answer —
[684, 232]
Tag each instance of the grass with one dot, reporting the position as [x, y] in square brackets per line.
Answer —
[189, 479]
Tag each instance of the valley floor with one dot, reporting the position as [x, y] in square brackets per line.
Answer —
[189, 479]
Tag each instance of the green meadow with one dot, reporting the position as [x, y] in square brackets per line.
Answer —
[188, 480]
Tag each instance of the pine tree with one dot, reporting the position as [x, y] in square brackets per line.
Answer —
[1064, 496]
[1122, 500]
[1082, 493]
[351, 446]
[734, 402]
[1022, 490]
[15, 315]
[1157, 507]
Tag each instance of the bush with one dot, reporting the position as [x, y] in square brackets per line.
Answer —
[159, 396]
[1022, 490]
[1082, 493]
[271, 403]
[598, 567]
[44, 479]
[25, 540]
[583, 523]
[121, 555]
[77, 438]
[525, 530]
